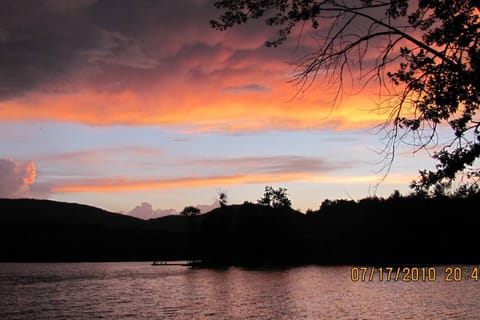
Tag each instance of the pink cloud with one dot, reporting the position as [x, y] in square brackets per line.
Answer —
[204, 208]
[145, 211]
[16, 178]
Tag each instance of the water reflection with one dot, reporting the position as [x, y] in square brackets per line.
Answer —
[140, 291]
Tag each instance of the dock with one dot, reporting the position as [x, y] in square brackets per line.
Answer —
[176, 263]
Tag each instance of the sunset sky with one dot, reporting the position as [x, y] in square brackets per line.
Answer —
[118, 103]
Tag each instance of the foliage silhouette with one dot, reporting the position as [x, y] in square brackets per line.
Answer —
[190, 211]
[222, 198]
[275, 198]
[429, 64]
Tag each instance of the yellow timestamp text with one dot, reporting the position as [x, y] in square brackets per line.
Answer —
[415, 274]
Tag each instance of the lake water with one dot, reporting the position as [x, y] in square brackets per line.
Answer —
[141, 291]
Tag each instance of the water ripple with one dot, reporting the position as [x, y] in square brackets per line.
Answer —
[140, 291]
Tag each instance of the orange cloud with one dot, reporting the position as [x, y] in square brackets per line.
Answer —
[126, 184]
[205, 108]
[372, 179]
[206, 86]
[121, 72]
[30, 173]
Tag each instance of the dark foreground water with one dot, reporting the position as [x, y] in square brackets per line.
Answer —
[140, 291]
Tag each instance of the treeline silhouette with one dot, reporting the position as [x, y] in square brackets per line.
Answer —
[397, 230]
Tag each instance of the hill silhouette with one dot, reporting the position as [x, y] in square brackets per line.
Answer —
[46, 211]
[43, 230]
[399, 230]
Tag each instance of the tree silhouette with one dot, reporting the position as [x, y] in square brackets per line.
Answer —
[266, 200]
[426, 54]
[276, 198]
[280, 199]
[395, 195]
[190, 211]
[222, 198]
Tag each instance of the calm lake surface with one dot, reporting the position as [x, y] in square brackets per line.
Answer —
[141, 291]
